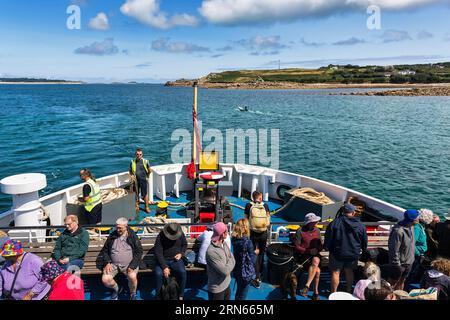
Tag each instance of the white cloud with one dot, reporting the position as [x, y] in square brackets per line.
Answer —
[165, 45]
[99, 22]
[148, 12]
[349, 42]
[235, 12]
[102, 48]
[421, 35]
[261, 43]
[395, 36]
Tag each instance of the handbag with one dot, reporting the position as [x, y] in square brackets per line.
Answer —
[248, 272]
[8, 295]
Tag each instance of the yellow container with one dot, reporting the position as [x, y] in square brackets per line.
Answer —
[163, 205]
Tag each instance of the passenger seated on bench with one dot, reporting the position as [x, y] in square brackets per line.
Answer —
[439, 277]
[307, 246]
[122, 252]
[72, 244]
[170, 247]
[65, 286]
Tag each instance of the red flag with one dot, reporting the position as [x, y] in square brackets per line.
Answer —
[191, 169]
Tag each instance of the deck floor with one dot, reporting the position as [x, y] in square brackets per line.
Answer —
[237, 213]
[196, 289]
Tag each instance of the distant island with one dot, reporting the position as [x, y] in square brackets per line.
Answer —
[331, 76]
[36, 81]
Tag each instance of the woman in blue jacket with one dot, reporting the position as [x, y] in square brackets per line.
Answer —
[245, 256]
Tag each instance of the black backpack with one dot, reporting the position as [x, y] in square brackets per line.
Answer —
[170, 289]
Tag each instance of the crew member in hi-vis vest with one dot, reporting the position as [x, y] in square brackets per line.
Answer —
[92, 198]
[140, 172]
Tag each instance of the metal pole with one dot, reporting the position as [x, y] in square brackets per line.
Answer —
[194, 140]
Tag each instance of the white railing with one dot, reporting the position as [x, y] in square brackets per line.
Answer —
[55, 203]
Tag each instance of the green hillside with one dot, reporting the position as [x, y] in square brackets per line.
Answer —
[418, 73]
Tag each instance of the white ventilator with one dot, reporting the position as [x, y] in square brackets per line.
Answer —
[24, 189]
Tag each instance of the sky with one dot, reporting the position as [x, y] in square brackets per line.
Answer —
[160, 40]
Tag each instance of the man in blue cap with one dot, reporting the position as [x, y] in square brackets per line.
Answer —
[401, 246]
[345, 239]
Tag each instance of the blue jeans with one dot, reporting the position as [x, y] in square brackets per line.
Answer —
[77, 262]
[177, 268]
[242, 288]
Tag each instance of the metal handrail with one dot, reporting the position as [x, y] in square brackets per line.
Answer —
[99, 234]
[369, 224]
[94, 226]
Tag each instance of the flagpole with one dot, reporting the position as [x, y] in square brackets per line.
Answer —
[194, 141]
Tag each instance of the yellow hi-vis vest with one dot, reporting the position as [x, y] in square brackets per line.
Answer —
[133, 166]
[95, 196]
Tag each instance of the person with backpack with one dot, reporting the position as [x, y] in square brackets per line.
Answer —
[245, 257]
[258, 214]
[345, 239]
[307, 246]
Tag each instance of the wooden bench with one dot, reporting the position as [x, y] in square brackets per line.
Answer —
[93, 261]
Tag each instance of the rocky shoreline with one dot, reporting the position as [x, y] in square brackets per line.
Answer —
[286, 85]
[410, 92]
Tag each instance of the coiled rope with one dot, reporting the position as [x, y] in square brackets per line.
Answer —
[312, 195]
[308, 194]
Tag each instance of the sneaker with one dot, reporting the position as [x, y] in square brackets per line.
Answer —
[133, 296]
[115, 294]
[315, 296]
[304, 292]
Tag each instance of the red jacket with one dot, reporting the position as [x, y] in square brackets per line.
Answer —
[67, 287]
[304, 241]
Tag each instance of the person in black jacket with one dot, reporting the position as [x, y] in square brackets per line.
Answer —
[345, 238]
[170, 247]
[122, 252]
[442, 232]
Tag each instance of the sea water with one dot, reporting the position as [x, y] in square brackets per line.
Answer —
[393, 148]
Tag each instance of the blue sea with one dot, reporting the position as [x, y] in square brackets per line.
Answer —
[393, 148]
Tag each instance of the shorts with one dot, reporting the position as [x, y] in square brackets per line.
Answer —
[337, 265]
[116, 269]
[95, 216]
[142, 187]
[396, 273]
